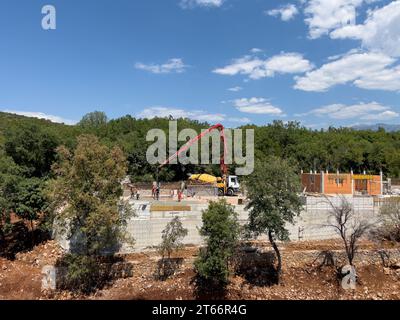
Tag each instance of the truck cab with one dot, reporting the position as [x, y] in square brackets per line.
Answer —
[232, 185]
[229, 186]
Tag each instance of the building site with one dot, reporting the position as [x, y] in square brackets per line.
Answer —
[204, 152]
[158, 202]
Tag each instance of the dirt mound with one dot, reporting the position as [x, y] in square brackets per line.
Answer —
[302, 278]
[21, 278]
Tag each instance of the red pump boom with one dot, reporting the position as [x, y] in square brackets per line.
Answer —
[187, 145]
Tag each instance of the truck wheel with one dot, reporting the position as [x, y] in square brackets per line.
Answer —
[221, 192]
[230, 192]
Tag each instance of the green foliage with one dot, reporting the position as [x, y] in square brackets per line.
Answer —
[273, 192]
[138, 165]
[30, 200]
[221, 231]
[18, 194]
[82, 273]
[9, 180]
[86, 194]
[94, 119]
[172, 237]
[32, 148]
[334, 148]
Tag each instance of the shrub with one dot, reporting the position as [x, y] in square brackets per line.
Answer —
[221, 231]
[172, 237]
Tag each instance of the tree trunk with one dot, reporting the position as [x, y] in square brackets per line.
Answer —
[32, 234]
[2, 218]
[278, 254]
[1, 233]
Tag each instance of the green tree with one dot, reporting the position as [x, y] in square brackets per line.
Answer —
[30, 200]
[138, 165]
[19, 195]
[172, 237]
[332, 148]
[221, 231]
[9, 180]
[93, 120]
[32, 148]
[273, 193]
[87, 193]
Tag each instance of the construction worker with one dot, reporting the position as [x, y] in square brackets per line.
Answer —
[180, 191]
[158, 192]
[153, 190]
[133, 191]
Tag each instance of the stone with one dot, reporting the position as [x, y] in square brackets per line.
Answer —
[349, 277]
[49, 278]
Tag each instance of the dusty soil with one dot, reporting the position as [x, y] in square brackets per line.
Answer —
[301, 279]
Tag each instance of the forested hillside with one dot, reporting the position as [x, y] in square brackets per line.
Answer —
[29, 143]
[28, 151]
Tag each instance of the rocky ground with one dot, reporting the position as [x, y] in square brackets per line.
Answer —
[303, 276]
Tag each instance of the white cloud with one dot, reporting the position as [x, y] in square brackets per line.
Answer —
[41, 115]
[288, 63]
[385, 115]
[362, 111]
[235, 89]
[365, 70]
[239, 120]
[286, 12]
[199, 115]
[185, 4]
[246, 65]
[256, 106]
[379, 32]
[256, 50]
[177, 113]
[386, 79]
[257, 68]
[323, 16]
[172, 65]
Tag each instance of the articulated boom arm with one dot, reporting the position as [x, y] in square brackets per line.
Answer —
[187, 145]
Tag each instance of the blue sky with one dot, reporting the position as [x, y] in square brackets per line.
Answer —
[320, 62]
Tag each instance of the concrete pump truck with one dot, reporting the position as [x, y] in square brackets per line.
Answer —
[227, 184]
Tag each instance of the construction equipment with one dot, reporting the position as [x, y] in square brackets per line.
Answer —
[227, 184]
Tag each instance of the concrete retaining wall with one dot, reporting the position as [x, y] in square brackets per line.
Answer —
[146, 228]
[310, 225]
